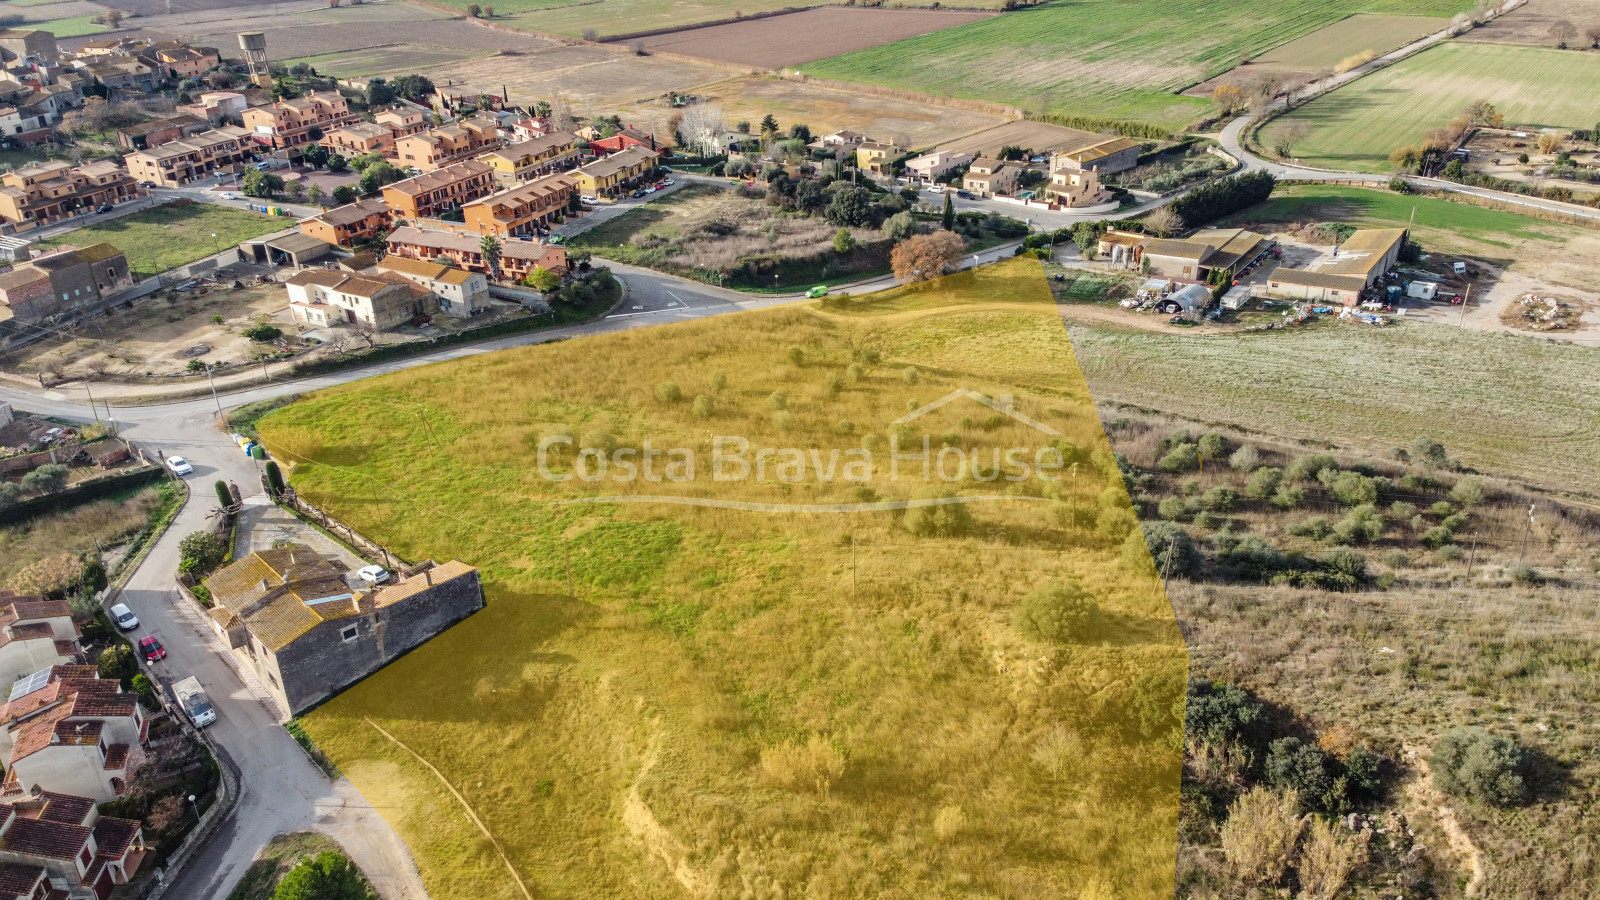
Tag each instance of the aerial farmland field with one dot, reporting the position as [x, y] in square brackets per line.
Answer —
[1120, 61]
[616, 17]
[1357, 126]
[776, 41]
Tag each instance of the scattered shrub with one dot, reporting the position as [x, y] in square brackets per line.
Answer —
[1220, 498]
[1061, 611]
[1290, 496]
[1347, 562]
[1263, 483]
[704, 407]
[1181, 458]
[201, 552]
[1245, 459]
[1475, 764]
[1166, 547]
[815, 765]
[118, 662]
[778, 400]
[795, 356]
[1352, 488]
[1307, 468]
[1362, 525]
[910, 375]
[1314, 527]
[1301, 769]
[1401, 511]
[937, 520]
[1174, 508]
[1397, 559]
[1261, 835]
[1469, 491]
[1331, 854]
[1220, 714]
[1114, 524]
[1524, 574]
[669, 392]
[1212, 445]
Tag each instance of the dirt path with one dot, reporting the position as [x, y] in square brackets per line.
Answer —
[1422, 793]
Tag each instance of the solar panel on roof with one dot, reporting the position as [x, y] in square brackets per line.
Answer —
[25, 686]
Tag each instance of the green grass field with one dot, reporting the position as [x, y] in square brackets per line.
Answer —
[1442, 224]
[161, 237]
[74, 27]
[1110, 60]
[823, 702]
[1357, 126]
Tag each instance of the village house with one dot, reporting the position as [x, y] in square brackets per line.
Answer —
[175, 60]
[928, 167]
[296, 621]
[25, 125]
[123, 73]
[402, 120]
[217, 107]
[449, 188]
[324, 297]
[518, 258]
[528, 128]
[1103, 157]
[990, 177]
[840, 141]
[532, 158]
[622, 140]
[160, 131]
[608, 176]
[56, 846]
[289, 123]
[438, 147]
[363, 220]
[177, 163]
[1356, 264]
[35, 634]
[1206, 255]
[1120, 247]
[877, 157]
[461, 293]
[63, 282]
[66, 729]
[52, 191]
[521, 210]
[21, 45]
[1076, 188]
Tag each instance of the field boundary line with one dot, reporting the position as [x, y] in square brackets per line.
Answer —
[471, 813]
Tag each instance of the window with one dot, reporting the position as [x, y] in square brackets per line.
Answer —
[349, 633]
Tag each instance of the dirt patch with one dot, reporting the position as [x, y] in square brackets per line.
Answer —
[1040, 137]
[1529, 24]
[825, 110]
[595, 80]
[787, 40]
[1543, 313]
[161, 336]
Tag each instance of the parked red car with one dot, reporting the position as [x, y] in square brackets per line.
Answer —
[151, 648]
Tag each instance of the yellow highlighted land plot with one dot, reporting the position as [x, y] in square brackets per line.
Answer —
[836, 599]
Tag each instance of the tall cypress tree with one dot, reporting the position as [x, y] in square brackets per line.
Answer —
[949, 214]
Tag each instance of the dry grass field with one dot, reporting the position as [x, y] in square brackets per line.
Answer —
[761, 698]
[824, 109]
[787, 40]
[74, 531]
[392, 60]
[593, 80]
[1041, 137]
[1325, 47]
[1529, 24]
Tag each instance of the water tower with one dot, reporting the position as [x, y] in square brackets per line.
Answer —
[254, 45]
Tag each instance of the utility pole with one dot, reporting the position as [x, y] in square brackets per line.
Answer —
[1166, 564]
[1471, 555]
[852, 566]
[1461, 321]
[92, 407]
[214, 398]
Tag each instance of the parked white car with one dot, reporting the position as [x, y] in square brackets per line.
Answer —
[124, 617]
[373, 574]
[179, 465]
[935, 188]
[228, 195]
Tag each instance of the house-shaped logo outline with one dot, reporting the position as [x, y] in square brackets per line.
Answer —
[1001, 405]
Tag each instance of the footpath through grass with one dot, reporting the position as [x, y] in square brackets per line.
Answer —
[174, 234]
[1357, 126]
[1120, 61]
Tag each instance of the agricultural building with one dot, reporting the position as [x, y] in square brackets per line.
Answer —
[296, 621]
[1354, 266]
[1218, 250]
[1103, 157]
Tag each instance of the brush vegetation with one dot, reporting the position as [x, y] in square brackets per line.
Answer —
[855, 703]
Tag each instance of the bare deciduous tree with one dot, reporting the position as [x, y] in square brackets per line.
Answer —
[702, 127]
[1163, 222]
[1289, 135]
[1563, 32]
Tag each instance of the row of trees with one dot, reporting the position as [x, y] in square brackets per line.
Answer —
[1223, 197]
